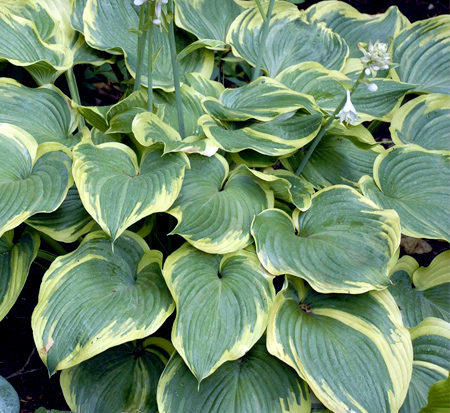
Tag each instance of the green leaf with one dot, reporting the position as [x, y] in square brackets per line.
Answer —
[9, 399]
[69, 222]
[438, 398]
[342, 244]
[121, 379]
[215, 216]
[253, 159]
[414, 182]
[422, 292]
[318, 44]
[207, 19]
[33, 178]
[117, 191]
[431, 344]
[109, 27]
[121, 292]
[422, 54]
[236, 295]
[343, 156]
[353, 351]
[423, 121]
[257, 382]
[355, 27]
[15, 261]
[43, 112]
[328, 87]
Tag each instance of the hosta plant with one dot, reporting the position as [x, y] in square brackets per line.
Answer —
[226, 237]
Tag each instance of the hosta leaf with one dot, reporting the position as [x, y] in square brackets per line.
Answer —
[431, 344]
[117, 191]
[423, 121]
[353, 351]
[327, 88]
[340, 157]
[109, 25]
[207, 19]
[355, 27]
[149, 129]
[422, 53]
[204, 85]
[15, 261]
[44, 410]
[438, 398]
[121, 293]
[215, 216]
[318, 44]
[275, 138]
[414, 182]
[69, 222]
[422, 292]
[42, 112]
[9, 399]
[256, 383]
[121, 379]
[33, 178]
[264, 99]
[342, 244]
[236, 295]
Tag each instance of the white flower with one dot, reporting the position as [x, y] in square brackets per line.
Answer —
[348, 112]
[139, 2]
[372, 87]
[158, 8]
[376, 57]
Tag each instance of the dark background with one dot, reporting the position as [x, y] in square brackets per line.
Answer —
[19, 362]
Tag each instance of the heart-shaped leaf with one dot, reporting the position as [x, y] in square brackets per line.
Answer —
[430, 70]
[121, 293]
[422, 292]
[121, 379]
[9, 399]
[117, 191]
[355, 27]
[342, 244]
[353, 351]
[257, 382]
[33, 178]
[423, 121]
[414, 182]
[236, 295]
[215, 216]
[431, 344]
[318, 44]
[15, 261]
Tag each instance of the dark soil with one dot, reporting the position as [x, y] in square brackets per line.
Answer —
[20, 363]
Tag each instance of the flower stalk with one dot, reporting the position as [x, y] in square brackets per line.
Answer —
[264, 34]
[75, 94]
[141, 48]
[150, 14]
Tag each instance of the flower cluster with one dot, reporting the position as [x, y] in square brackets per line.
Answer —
[376, 57]
[158, 9]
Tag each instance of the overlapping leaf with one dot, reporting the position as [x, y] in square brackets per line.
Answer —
[9, 399]
[422, 292]
[431, 344]
[121, 379]
[438, 398]
[353, 351]
[355, 27]
[215, 209]
[15, 261]
[95, 298]
[109, 26]
[342, 244]
[235, 295]
[422, 52]
[423, 121]
[257, 382]
[414, 182]
[33, 178]
[117, 191]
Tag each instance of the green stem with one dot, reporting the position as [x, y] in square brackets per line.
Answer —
[55, 246]
[176, 73]
[261, 10]
[74, 93]
[262, 45]
[141, 48]
[330, 120]
[150, 57]
[374, 125]
[47, 256]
